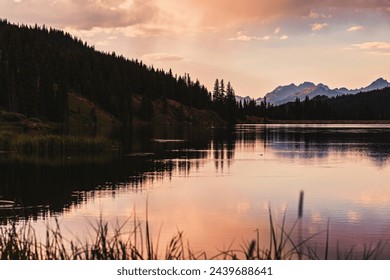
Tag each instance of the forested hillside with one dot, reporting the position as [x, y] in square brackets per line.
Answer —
[40, 66]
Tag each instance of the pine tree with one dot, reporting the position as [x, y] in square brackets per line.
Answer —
[231, 108]
[222, 90]
[39, 66]
[216, 92]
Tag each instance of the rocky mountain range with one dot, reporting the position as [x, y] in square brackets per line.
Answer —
[289, 93]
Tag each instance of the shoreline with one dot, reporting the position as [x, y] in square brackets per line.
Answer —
[326, 122]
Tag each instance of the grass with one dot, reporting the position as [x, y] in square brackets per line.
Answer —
[84, 112]
[52, 145]
[20, 242]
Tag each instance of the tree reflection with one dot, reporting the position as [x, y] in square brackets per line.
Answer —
[156, 153]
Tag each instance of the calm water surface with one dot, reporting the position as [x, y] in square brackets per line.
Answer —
[217, 186]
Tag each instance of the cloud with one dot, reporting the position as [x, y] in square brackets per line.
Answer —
[217, 12]
[277, 30]
[157, 17]
[355, 28]
[314, 15]
[241, 36]
[374, 47]
[162, 57]
[83, 15]
[318, 26]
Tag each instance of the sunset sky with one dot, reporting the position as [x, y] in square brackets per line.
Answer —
[257, 45]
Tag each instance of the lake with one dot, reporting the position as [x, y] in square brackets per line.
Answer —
[217, 186]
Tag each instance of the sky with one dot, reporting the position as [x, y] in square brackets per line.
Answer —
[257, 45]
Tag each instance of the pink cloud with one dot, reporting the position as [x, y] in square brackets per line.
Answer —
[176, 14]
[82, 14]
[374, 47]
[162, 57]
[218, 11]
[355, 28]
[318, 26]
[241, 36]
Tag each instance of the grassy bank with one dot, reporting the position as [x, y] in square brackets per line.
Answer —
[51, 145]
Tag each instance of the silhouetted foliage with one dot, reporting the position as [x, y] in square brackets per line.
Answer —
[224, 101]
[40, 66]
[146, 110]
[373, 105]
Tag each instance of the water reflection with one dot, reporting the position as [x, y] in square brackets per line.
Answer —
[317, 141]
[57, 183]
[217, 184]
[223, 146]
[153, 153]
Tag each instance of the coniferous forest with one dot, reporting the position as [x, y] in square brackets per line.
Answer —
[373, 105]
[40, 66]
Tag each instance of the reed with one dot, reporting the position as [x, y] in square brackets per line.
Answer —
[52, 145]
[21, 243]
[107, 242]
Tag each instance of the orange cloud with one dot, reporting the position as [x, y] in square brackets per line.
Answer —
[162, 57]
[83, 15]
[241, 36]
[217, 11]
[314, 15]
[355, 28]
[375, 47]
[318, 26]
[182, 15]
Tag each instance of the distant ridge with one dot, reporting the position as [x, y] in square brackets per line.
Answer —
[289, 93]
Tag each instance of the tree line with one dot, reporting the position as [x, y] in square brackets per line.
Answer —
[373, 105]
[39, 66]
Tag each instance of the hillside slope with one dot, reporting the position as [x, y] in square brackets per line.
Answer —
[173, 112]
[83, 112]
[39, 67]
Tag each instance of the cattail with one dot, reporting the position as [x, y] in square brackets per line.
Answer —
[300, 207]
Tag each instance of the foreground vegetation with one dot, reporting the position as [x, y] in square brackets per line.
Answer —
[51, 145]
[20, 242]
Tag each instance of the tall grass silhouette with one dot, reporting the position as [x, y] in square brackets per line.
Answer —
[19, 241]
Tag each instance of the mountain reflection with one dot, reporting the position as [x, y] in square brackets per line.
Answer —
[155, 153]
[319, 141]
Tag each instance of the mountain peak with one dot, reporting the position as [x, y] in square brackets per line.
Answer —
[307, 84]
[380, 81]
[289, 93]
[377, 84]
